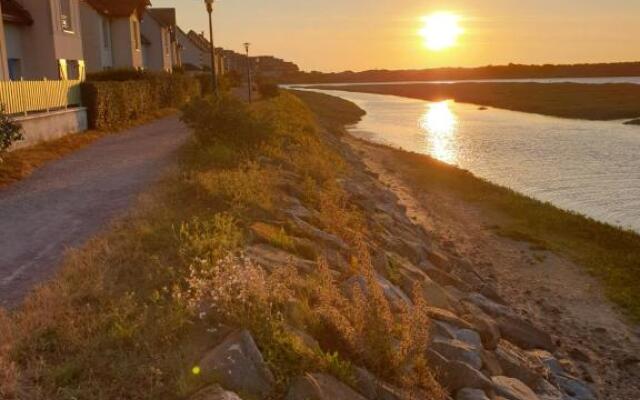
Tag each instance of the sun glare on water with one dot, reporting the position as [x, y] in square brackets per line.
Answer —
[441, 30]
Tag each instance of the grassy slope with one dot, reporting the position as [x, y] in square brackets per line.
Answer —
[122, 319]
[611, 254]
[568, 100]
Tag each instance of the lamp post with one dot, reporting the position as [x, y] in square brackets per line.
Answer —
[214, 79]
[246, 47]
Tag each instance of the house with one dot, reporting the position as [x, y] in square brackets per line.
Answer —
[159, 28]
[111, 33]
[205, 48]
[274, 67]
[41, 39]
[194, 57]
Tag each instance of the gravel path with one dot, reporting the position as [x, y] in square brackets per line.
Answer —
[68, 201]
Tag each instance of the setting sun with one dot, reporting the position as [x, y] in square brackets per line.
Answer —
[440, 30]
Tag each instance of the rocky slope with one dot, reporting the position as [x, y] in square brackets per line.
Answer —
[480, 347]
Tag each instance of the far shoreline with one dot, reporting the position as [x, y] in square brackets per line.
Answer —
[593, 102]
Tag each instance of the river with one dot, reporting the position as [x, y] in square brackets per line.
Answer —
[590, 167]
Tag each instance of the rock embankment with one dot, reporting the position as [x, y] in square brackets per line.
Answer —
[480, 347]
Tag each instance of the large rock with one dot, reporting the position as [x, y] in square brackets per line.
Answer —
[456, 375]
[270, 258]
[372, 388]
[471, 394]
[456, 350]
[570, 385]
[518, 364]
[447, 316]
[319, 235]
[215, 392]
[486, 326]
[321, 387]
[397, 299]
[470, 337]
[446, 279]
[512, 389]
[237, 364]
[524, 333]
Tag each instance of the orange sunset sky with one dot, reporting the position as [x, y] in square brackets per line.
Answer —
[336, 35]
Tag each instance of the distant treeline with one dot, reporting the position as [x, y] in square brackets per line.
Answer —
[511, 71]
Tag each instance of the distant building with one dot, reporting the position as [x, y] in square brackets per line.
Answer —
[270, 66]
[112, 34]
[41, 39]
[235, 61]
[205, 48]
[161, 51]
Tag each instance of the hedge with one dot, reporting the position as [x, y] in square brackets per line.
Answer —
[114, 104]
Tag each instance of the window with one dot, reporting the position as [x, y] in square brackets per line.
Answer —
[106, 33]
[65, 15]
[135, 28]
[73, 69]
[15, 69]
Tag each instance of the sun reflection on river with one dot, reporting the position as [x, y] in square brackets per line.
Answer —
[439, 124]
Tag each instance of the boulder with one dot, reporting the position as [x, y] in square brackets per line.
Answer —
[321, 387]
[491, 365]
[214, 392]
[512, 389]
[572, 386]
[486, 326]
[456, 375]
[547, 391]
[471, 394]
[524, 333]
[470, 337]
[237, 364]
[490, 307]
[456, 350]
[372, 388]
[447, 316]
[397, 298]
[319, 235]
[270, 257]
[446, 279]
[515, 363]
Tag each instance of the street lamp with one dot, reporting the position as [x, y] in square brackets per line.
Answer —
[214, 79]
[246, 47]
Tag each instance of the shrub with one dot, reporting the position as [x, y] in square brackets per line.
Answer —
[116, 103]
[225, 120]
[10, 132]
[120, 75]
[268, 89]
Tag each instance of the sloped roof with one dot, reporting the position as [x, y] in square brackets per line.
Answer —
[119, 8]
[200, 41]
[15, 13]
[165, 16]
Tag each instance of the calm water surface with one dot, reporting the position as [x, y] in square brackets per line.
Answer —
[589, 167]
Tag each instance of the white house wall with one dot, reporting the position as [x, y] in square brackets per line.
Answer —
[4, 67]
[156, 55]
[125, 55]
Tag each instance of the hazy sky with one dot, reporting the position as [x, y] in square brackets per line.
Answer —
[336, 35]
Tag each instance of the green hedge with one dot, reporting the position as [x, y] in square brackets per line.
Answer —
[114, 104]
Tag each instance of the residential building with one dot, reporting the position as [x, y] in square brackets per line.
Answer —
[205, 47]
[274, 67]
[194, 57]
[112, 34]
[159, 32]
[41, 39]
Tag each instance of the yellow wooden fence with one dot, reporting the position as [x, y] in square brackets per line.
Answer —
[23, 97]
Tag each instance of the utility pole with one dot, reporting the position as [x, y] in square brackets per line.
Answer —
[214, 78]
[246, 47]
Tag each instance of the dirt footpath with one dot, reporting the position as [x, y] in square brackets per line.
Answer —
[595, 341]
[68, 201]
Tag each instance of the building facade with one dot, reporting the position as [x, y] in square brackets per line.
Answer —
[112, 33]
[41, 39]
[158, 30]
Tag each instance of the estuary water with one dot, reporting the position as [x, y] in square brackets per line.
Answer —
[589, 167]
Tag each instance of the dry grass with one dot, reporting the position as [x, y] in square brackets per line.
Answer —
[21, 163]
[125, 316]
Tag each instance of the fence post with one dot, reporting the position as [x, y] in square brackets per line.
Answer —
[23, 97]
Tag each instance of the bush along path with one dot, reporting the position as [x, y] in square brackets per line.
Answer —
[273, 265]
